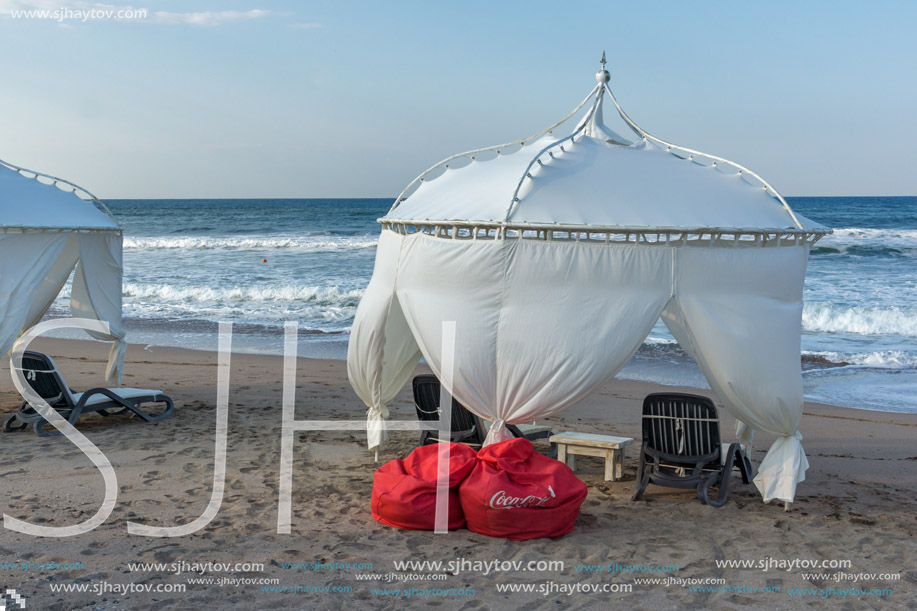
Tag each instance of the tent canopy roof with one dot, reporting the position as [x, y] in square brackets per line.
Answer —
[28, 203]
[595, 178]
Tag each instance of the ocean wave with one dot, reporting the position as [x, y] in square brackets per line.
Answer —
[889, 359]
[886, 359]
[660, 341]
[829, 318]
[864, 241]
[324, 319]
[858, 250]
[314, 295]
[313, 243]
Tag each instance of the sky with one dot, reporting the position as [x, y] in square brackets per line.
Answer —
[259, 98]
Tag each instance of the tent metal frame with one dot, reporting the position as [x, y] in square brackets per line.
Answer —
[505, 229]
[77, 190]
[42, 229]
[676, 236]
[445, 162]
[691, 153]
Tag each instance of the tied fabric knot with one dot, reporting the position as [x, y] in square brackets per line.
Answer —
[783, 467]
[378, 413]
[375, 427]
[497, 433]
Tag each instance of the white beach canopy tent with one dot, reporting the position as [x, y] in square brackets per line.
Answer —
[555, 256]
[48, 226]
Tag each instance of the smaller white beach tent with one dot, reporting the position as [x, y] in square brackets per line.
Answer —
[48, 226]
[555, 255]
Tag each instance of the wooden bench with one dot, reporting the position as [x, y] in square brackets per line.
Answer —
[610, 448]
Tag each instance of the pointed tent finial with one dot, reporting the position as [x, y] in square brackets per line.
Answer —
[602, 75]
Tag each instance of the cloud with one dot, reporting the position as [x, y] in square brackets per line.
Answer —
[207, 18]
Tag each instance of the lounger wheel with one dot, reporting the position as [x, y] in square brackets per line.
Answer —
[8, 425]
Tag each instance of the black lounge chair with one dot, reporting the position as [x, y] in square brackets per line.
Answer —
[682, 448]
[467, 428]
[48, 383]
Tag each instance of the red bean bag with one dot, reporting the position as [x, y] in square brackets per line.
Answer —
[404, 491]
[517, 493]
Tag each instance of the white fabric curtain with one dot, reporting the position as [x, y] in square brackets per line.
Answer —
[539, 326]
[54, 281]
[382, 352]
[96, 293]
[26, 279]
[738, 312]
[34, 267]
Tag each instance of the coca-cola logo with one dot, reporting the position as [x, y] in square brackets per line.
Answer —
[501, 500]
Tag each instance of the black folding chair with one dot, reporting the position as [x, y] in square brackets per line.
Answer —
[682, 449]
[466, 427]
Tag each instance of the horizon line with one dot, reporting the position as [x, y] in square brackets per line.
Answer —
[140, 199]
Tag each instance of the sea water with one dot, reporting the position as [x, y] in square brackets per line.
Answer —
[191, 263]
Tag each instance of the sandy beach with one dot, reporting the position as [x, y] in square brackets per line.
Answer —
[857, 504]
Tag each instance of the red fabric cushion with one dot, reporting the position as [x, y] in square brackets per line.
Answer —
[517, 493]
[404, 491]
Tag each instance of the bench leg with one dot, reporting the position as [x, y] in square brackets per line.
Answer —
[562, 452]
[619, 463]
[610, 466]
